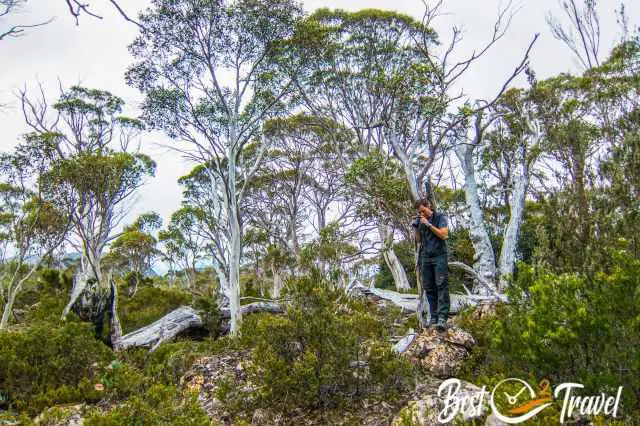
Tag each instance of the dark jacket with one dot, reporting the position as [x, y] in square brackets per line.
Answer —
[431, 246]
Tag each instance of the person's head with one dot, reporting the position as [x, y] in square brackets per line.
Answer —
[424, 207]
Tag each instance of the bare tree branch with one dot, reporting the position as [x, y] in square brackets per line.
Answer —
[76, 8]
[584, 20]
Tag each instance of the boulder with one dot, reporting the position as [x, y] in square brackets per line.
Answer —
[484, 310]
[441, 353]
[218, 376]
[427, 408]
[61, 415]
[492, 420]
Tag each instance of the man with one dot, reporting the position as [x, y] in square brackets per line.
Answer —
[432, 232]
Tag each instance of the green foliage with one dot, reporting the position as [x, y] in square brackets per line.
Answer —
[160, 404]
[135, 248]
[331, 246]
[44, 297]
[568, 327]
[376, 179]
[306, 357]
[149, 304]
[43, 365]
[406, 254]
[210, 314]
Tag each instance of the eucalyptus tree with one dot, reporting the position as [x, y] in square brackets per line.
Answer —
[621, 170]
[284, 174]
[135, 248]
[31, 227]
[589, 149]
[364, 71]
[461, 125]
[94, 167]
[208, 71]
[296, 186]
[507, 154]
[182, 246]
[380, 187]
[325, 146]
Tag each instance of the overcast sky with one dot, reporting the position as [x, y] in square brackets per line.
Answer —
[95, 55]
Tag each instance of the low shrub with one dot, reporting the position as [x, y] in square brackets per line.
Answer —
[159, 405]
[44, 365]
[567, 328]
[148, 305]
[323, 353]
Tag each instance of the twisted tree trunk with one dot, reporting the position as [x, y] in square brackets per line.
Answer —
[185, 318]
[391, 259]
[485, 262]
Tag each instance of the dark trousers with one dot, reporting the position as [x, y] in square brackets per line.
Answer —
[435, 285]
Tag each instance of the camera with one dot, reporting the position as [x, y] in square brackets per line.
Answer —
[416, 223]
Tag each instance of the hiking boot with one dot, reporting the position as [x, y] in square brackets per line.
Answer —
[441, 325]
[432, 322]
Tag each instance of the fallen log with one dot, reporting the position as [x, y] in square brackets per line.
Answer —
[166, 328]
[409, 302]
[272, 307]
[473, 274]
[184, 318]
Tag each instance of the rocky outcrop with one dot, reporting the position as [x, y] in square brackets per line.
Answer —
[61, 415]
[440, 353]
[220, 377]
[484, 310]
[429, 408]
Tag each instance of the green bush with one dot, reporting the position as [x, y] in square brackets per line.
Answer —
[568, 328]
[158, 405]
[171, 360]
[306, 357]
[148, 305]
[44, 297]
[45, 365]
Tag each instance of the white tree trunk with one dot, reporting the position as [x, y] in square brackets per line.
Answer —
[397, 270]
[11, 297]
[510, 239]
[234, 278]
[410, 302]
[293, 237]
[80, 280]
[235, 243]
[8, 308]
[484, 257]
[277, 282]
[89, 268]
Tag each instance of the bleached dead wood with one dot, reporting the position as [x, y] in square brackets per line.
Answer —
[166, 328]
[409, 302]
[403, 344]
[182, 319]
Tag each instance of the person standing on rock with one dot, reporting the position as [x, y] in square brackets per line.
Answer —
[432, 233]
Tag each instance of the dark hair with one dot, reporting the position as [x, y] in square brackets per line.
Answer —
[422, 202]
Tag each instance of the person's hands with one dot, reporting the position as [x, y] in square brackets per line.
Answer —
[423, 220]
